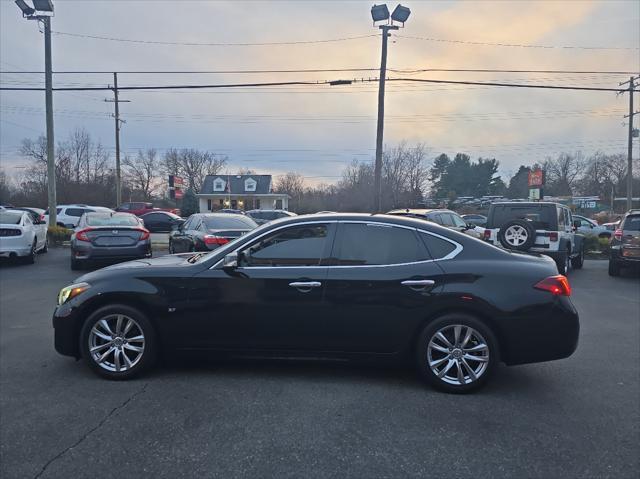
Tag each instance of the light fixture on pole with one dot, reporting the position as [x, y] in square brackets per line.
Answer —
[42, 11]
[380, 13]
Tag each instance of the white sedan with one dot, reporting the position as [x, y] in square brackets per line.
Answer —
[19, 236]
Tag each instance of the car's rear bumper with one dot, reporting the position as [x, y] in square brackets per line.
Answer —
[15, 246]
[89, 252]
[625, 256]
[543, 336]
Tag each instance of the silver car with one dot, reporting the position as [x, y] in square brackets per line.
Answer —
[109, 237]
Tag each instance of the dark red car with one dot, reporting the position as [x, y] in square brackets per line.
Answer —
[140, 208]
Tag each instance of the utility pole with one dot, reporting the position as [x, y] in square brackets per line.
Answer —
[116, 115]
[380, 131]
[630, 116]
[51, 155]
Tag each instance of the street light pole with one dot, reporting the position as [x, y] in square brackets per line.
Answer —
[42, 10]
[51, 159]
[380, 131]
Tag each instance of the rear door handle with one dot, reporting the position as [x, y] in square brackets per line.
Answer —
[305, 284]
[418, 283]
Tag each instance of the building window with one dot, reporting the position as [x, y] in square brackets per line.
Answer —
[209, 205]
[218, 184]
[250, 184]
[278, 204]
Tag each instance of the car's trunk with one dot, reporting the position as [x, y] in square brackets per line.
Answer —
[114, 236]
[228, 234]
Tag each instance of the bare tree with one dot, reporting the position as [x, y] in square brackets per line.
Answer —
[141, 172]
[193, 165]
[292, 184]
[563, 172]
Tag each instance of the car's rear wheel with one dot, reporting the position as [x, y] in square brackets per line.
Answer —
[31, 257]
[45, 249]
[457, 353]
[614, 268]
[118, 342]
[562, 262]
[578, 260]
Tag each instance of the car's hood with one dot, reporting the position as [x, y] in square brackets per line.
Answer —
[167, 260]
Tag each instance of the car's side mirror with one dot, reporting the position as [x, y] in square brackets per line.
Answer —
[230, 261]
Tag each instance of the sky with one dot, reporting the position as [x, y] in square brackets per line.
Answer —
[316, 130]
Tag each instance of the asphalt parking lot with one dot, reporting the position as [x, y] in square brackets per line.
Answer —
[579, 417]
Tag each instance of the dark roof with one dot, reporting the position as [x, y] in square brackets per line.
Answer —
[236, 184]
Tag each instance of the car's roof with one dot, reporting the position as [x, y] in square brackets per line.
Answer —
[219, 215]
[527, 203]
[419, 211]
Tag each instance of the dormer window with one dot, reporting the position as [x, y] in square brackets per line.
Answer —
[250, 184]
[218, 184]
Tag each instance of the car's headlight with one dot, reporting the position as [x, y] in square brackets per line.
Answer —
[71, 291]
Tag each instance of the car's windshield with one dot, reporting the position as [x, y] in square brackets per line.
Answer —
[229, 222]
[10, 217]
[94, 219]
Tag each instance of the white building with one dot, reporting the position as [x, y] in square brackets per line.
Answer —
[240, 192]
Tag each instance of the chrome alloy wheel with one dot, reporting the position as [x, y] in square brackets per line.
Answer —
[116, 343]
[458, 354]
[516, 235]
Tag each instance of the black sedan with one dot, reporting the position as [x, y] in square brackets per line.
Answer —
[330, 286]
[208, 231]
[108, 237]
[161, 221]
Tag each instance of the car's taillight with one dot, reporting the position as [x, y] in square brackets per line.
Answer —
[212, 239]
[617, 234]
[144, 235]
[557, 285]
[553, 236]
[41, 218]
[82, 235]
[486, 235]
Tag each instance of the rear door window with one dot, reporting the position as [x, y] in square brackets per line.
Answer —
[364, 244]
[632, 223]
[76, 212]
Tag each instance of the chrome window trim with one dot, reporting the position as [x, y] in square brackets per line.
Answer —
[453, 254]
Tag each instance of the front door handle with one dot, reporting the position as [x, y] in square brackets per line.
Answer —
[418, 284]
[305, 284]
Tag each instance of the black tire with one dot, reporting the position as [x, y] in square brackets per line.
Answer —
[31, 257]
[614, 268]
[578, 261]
[46, 246]
[76, 265]
[450, 320]
[529, 233]
[148, 356]
[561, 263]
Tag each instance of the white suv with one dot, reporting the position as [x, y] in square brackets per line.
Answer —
[537, 227]
[69, 215]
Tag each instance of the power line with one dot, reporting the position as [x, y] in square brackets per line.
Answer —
[215, 44]
[322, 70]
[512, 85]
[515, 45]
[316, 83]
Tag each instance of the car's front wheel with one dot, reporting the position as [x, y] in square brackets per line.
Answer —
[118, 342]
[457, 353]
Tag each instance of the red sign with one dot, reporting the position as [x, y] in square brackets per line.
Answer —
[536, 178]
[178, 194]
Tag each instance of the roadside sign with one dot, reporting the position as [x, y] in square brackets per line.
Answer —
[534, 193]
[536, 178]
[176, 185]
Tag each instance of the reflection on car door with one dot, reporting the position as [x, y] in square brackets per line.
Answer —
[380, 289]
[272, 300]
